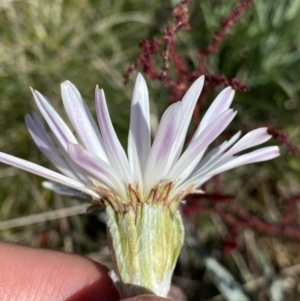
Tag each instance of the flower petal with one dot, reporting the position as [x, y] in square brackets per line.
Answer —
[63, 190]
[251, 139]
[259, 155]
[46, 173]
[58, 127]
[139, 138]
[190, 158]
[219, 105]
[82, 120]
[45, 145]
[77, 171]
[96, 166]
[213, 156]
[40, 126]
[115, 151]
[188, 104]
[159, 160]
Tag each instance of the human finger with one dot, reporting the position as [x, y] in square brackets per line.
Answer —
[42, 275]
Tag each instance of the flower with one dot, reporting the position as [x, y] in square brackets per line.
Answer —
[133, 186]
[96, 164]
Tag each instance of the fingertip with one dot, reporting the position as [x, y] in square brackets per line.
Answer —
[36, 274]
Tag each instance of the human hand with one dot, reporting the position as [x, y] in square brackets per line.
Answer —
[44, 275]
[30, 274]
[146, 298]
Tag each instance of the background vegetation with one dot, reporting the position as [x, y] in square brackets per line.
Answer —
[93, 42]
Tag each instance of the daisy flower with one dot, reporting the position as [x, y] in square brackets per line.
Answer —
[140, 189]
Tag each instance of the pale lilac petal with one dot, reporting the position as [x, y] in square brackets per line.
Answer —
[139, 138]
[40, 125]
[188, 104]
[82, 120]
[46, 173]
[251, 139]
[159, 157]
[259, 155]
[61, 132]
[227, 144]
[75, 169]
[115, 151]
[63, 190]
[96, 166]
[58, 127]
[213, 156]
[190, 158]
[219, 105]
[190, 99]
[45, 145]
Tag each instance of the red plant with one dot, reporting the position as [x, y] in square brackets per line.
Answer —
[236, 216]
[166, 48]
[239, 218]
[225, 26]
[282, 137]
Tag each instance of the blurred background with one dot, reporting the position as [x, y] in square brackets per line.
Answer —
[243, 235]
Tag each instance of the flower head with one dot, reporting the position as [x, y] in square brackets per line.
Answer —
[95, 164]
[141, 190]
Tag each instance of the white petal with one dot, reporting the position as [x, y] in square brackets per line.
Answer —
[58, 127]
[139, 138]
[251, 139]
[115, 151]
[190, 99]
[231, 141]
[259, 155]
[40, 125]
[45, 173]
[96, 166]
[159, 158]
[82, 120]
[61, 132]
[75, 169]
[45, 145]
[63, 190]
[190, 158]
[188, 103]
[219, 105]
[213, 156]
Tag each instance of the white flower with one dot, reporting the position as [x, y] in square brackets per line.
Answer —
[141, 190]
[96, 164]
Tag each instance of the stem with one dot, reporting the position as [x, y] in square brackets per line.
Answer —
[145, 243]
